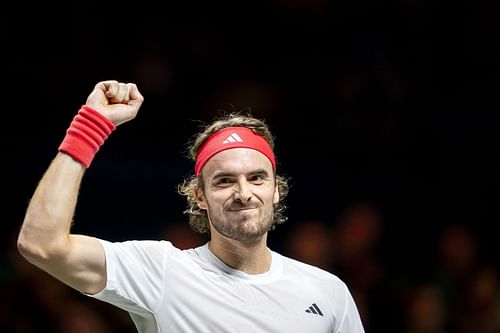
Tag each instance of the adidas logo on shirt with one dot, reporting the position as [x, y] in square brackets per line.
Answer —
[232, 138]
[315, 310]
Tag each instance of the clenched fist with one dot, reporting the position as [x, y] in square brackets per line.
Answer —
[117, 101]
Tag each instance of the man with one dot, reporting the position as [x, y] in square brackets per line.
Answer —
[233, 283]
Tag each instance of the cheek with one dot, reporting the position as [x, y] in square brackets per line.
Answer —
[217, 199]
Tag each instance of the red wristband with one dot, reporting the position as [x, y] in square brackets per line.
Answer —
[87, 132]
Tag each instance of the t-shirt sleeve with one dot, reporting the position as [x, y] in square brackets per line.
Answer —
[135, 274]
[351, 321]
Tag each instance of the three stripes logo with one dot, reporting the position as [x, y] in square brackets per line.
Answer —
[232, 138]
[315, 310]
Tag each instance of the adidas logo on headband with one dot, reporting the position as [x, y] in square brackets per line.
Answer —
[232, 138]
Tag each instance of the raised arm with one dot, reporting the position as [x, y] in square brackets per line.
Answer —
[45, 237]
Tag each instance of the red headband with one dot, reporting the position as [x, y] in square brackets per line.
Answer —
[229, 138]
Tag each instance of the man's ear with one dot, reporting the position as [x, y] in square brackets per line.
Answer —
[276, 196]
[200, 199]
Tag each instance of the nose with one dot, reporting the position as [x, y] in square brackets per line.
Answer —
[242, 191]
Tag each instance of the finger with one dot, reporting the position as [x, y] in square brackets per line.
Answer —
[122, 95]
[111, 88]
[134, 94]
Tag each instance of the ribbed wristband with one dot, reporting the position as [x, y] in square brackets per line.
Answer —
[87, 132]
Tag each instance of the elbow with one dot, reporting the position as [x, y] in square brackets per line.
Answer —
[27, 248]
[35, 249]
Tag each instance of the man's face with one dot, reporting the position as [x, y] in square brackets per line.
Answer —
[239, 193]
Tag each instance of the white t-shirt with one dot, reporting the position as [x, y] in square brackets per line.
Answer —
[166, 289]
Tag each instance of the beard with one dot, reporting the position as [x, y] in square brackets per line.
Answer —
[244, 226]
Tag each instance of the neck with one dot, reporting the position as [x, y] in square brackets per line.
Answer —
[251, 257]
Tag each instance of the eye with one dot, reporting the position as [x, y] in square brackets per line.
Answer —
[257, 179]
[223, 181]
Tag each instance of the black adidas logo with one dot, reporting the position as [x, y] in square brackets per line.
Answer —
[314, 309]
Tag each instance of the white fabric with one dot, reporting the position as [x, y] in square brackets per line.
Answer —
[166, 289]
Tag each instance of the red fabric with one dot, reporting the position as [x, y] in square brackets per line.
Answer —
[229, 138]
[87, 132]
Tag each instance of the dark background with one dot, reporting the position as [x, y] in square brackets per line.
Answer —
[391, 103]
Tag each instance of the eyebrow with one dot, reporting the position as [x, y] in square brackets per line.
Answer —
[231, 174]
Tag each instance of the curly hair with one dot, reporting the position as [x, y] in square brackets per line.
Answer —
[198, 218]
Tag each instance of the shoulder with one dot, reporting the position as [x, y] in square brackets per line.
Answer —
[139, 248]
[308, 271]
[313, 280]
[138, 245]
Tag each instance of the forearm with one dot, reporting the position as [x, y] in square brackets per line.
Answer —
[46, 227]
[45, 239]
